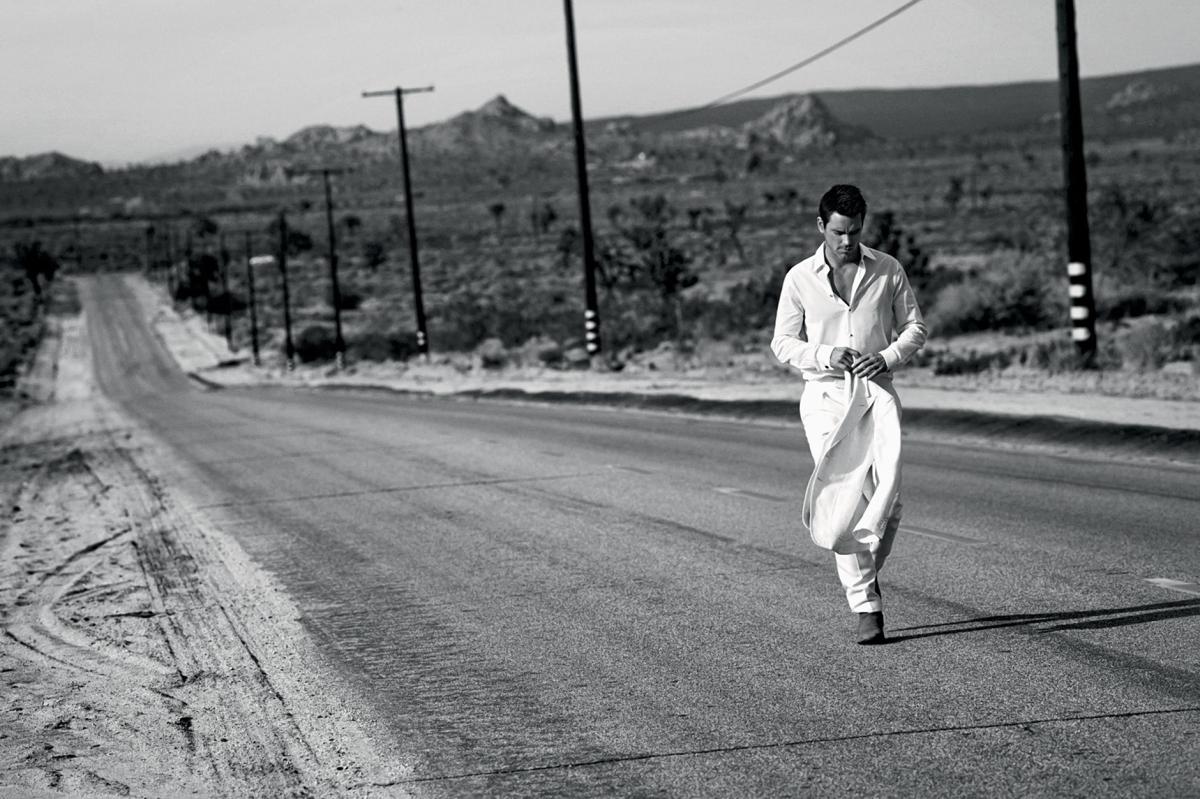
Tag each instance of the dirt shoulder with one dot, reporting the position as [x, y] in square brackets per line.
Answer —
[142, 653]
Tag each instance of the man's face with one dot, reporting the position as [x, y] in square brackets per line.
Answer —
[842, 236]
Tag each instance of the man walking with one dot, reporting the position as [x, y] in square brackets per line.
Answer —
[847, 318]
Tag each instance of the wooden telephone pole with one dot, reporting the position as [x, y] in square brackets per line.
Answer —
[335, 289]
[1079, 247]
[591, 314]
[418, 297]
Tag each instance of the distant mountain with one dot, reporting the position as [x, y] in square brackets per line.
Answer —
[45, 166]
[1150, 100]
[1162, 102]
[1139, 92]
[801, 122]
[495, 125]
[320, 136]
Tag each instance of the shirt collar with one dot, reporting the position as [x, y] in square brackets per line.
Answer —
[818, 257]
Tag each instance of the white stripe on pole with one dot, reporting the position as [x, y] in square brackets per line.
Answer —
[1077, 290]
[1079, 312]
[1075, 269]
[1080, 333]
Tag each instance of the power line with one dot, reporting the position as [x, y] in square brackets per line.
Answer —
[789, 70]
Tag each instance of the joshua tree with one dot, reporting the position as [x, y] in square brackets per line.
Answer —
[954, 193]
[497, 212]
[38, 264]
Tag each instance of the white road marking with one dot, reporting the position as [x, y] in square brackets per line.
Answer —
[1175, 585]
[740, 492]
[940, 536]
[633, 469]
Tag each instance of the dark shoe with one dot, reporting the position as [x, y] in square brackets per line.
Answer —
[870, 628]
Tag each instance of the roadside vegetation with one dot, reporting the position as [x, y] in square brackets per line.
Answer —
[28, 292]
[692, 242]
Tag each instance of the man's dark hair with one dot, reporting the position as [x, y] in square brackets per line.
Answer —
[842, 199]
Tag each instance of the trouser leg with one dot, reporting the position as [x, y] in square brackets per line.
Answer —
[859, 570]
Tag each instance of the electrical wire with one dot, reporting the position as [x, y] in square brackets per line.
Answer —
[789, 70]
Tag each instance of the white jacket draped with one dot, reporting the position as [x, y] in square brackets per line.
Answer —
[856, 480]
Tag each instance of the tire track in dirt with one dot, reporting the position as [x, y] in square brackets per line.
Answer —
[33, 621]
[141, 652]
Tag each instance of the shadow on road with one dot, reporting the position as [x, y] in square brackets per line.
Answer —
[1057, 622]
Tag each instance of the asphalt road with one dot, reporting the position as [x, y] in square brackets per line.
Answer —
[565, 601]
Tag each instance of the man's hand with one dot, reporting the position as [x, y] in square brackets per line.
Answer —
[843, 358]
[868, 366]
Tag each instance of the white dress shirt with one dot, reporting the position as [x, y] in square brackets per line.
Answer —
[881, 316]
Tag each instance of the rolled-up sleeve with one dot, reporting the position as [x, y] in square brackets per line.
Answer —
[790, 341]
[911, 331]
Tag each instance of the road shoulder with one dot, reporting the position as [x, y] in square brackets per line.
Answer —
[143, 653]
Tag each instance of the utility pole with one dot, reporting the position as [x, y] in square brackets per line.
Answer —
[252, 302]
[223, 265]
[171, 263]
[78, 248]
[418, 299]
[289, 348]
[591, 316]
[339, 342]
[1079, 248]
[187, 268]
[149, 268]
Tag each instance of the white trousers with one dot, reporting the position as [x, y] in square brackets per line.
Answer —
[821, 407]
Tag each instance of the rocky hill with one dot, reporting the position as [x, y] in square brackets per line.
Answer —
[1157, 102]
[497, 124]
[802, 122]
[46, 166]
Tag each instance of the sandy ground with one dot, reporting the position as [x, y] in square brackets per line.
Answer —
[142, 653]
[1094, 397]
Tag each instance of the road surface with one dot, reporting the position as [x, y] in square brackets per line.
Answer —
[550, 600]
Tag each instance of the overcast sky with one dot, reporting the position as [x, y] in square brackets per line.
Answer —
[128, 80]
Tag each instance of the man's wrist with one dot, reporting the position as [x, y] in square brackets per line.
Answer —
[825, 355]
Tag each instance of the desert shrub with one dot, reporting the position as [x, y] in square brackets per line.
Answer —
[1147, 346]
[636, 321]
[541, 350]
[646, 256]
[460, 320]
[1146, 236]
[965, 307]
[21, 317]
[749, 305]
[1017, 291]
[378, 344]
[519, 303]
[1187, 336]
[226, 302]
[374, 252]
[38, 264]
[550, 354]
[491, 353]
[1127, 302]
[1060, 354]
[349, 299]
[297, 240]
[316, 343]
[969, 362]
